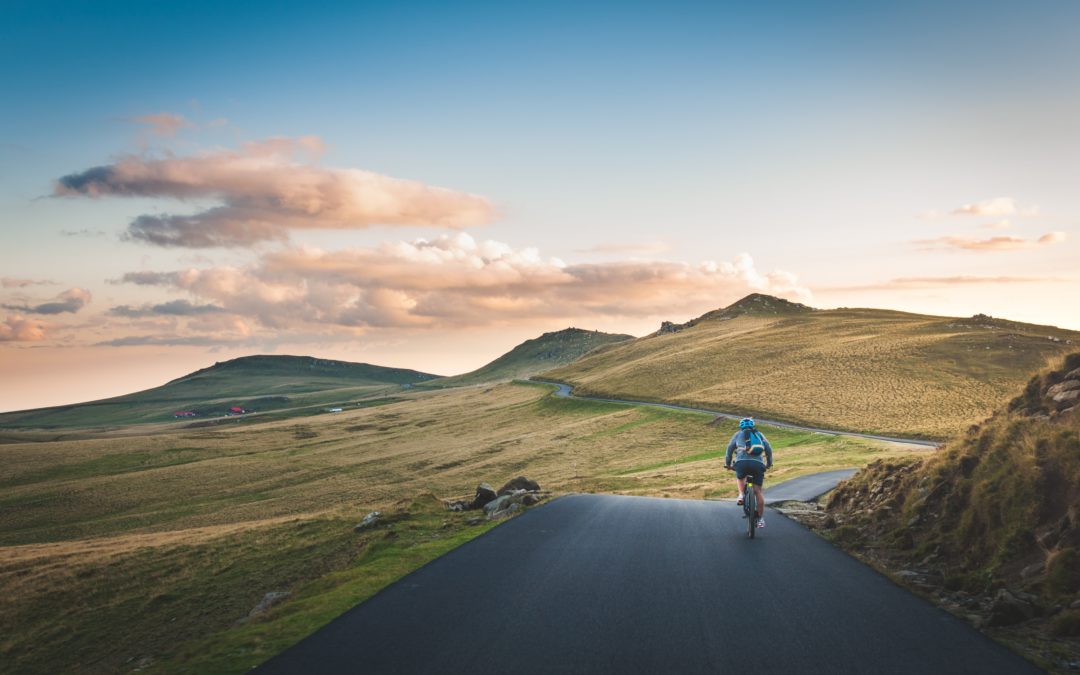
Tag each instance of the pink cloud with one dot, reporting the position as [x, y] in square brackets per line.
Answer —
[70, 301]
[999, 206]
[455, 281]
[17, 328]
[164, 123]
[12, 282]
[265, 191]
[999, 243]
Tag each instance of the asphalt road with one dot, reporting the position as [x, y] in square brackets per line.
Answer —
[806, 488]
[566, 391]
[607, 584]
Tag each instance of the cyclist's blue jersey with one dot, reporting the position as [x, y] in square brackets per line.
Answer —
[741, 449]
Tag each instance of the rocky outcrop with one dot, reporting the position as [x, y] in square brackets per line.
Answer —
[519, 483]
[369, 521]
[515, 495]
[269, 600]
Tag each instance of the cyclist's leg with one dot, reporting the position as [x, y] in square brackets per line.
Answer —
[759, 481]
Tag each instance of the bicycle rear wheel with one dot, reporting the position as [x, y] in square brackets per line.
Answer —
[750, 504]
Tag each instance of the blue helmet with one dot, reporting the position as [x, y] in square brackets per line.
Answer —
[746, 423]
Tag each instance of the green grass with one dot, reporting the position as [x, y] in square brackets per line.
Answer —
[426, 532]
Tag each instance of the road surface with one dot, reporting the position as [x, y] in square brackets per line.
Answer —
[608, 584]
[566, 391]
[806, 488]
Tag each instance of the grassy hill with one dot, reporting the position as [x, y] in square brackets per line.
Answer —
[991, 524]
[259, 383]
[859, 369]
[535, 356]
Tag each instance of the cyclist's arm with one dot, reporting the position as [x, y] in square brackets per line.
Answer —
[768, 451]
[730, 449]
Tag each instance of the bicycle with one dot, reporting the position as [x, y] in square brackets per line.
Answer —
[750, 507]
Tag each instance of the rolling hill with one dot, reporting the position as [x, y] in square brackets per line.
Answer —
[258, 383]
[870, 370]
[537, 355]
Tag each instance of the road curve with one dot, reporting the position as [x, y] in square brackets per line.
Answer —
[608, 584]
[566, 391]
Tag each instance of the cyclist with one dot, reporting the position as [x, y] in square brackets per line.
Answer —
[749, 445]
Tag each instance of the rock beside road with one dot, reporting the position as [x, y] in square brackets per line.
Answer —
[519, 483]
[484, 495]
[269, 600]
[369, 521]
[515, 495]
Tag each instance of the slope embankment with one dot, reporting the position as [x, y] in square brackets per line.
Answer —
[989, 526]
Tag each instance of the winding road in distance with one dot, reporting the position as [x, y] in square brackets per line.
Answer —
[566, 391]
[610, 584]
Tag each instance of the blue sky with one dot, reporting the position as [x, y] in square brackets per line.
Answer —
[835, 143]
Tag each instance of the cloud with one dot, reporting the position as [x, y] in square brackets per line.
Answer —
[172, 308]
[999, 243]
[997, 225]
[265, 191]
[17, 328]
[165, 124]
[999, 206]
[13, 282]
[82, 233]
[70, 301]
[456, 281]
[170, 340]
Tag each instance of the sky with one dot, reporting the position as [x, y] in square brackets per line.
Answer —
[427, 184]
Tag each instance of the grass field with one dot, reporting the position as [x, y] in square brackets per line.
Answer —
[122, 549]
[858, 369]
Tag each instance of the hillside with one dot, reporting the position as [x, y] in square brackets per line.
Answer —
[258, 383]
[991, 524]
[868, 370]
[537, 355]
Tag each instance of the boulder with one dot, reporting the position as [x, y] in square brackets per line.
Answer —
[519, 483]
[1067, 385]
[269, 600]
[504, 513]
[1067, 399]
[369, 521]
[1008, 610]
[496, 504]
[484, 495]
[1033, 570]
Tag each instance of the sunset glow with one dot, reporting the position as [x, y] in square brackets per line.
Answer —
[425, 185]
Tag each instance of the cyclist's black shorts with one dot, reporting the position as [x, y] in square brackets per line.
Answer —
[748, 467]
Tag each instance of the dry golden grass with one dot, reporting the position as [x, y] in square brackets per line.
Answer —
[116, 546]
[866, 370]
